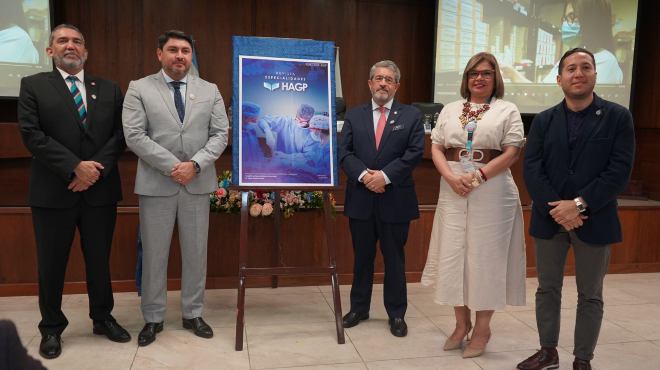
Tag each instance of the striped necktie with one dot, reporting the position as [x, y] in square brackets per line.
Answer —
[78, 100]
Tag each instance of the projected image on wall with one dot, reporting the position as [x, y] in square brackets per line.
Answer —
[24, 32]
[528, 37]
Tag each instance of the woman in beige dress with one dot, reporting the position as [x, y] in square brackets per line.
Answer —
[476, 259]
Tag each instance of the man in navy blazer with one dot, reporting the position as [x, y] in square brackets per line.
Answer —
[382, 142]
[578, 158]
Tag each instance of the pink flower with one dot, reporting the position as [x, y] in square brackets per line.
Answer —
[267, 209]
[221, 193]
[255, 210]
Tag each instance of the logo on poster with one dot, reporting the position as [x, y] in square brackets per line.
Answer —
[272, 86]
[286, 86]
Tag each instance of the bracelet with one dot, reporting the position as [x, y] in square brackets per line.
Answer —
[483, 175]
[476, 179]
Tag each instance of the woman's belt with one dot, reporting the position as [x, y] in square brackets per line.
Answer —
[478, 155]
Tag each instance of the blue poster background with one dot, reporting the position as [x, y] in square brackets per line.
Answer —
[272, 79]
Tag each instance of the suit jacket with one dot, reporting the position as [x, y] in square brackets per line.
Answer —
[52, 131]
[401, 148]
[597, 169]
[154, 133]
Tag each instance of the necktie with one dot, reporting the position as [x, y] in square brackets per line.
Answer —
[78, 100]
[178, 99]
[381, 125]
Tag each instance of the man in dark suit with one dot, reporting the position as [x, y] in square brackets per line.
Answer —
[71, 123]
[579, 157]
[382, 142]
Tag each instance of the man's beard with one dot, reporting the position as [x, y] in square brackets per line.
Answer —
[69, 64]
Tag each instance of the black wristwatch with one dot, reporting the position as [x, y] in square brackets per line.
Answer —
[197, 168]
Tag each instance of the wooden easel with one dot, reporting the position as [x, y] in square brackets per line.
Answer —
[277, 269]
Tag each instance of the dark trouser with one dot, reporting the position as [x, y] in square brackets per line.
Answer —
[392, 237]
[54, 230]
[591, 262]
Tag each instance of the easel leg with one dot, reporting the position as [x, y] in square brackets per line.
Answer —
[240, 313]
[242, 262]
[332, 254]
[337, 303]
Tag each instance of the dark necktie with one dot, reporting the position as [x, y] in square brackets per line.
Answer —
[78, 100]
[178, 99]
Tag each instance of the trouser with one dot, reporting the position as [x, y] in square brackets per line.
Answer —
[158, 215]
[591, 262]
[54, 230]
[392, 237]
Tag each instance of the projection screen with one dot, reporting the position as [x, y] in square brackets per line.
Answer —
[528, 37]
[24, 32]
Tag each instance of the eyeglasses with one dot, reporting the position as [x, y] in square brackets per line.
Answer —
[487, 75]
[387, 79]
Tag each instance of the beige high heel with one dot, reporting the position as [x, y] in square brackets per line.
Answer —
[452, 344]
[470, 352]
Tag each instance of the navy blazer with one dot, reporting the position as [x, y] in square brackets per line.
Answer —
[598, 169]
[52, 131]
[401, 148]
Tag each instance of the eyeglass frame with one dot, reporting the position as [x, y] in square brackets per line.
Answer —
[388, 80]
[486, 75]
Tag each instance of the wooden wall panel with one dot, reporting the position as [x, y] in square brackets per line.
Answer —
[647, 162]
[646, 91]
[302, 245]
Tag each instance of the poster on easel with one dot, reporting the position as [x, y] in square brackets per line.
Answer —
[284, 125]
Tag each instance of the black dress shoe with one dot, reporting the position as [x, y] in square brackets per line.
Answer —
[50, 346]
[112, 330]
[579, 364]
[148, 333]
[199, 327]
[398, 327]
[353, 318]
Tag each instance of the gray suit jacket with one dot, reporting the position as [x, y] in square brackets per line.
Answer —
[154, 133]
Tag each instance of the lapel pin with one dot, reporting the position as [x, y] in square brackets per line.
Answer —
[94, 96]
[192, 96]
[598, 112]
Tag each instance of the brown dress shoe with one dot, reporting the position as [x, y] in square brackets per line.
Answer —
[545, 359]
[579, 364]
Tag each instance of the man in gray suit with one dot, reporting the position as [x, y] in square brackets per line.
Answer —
[176, 124]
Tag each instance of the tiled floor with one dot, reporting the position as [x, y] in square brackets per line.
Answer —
[293, 328]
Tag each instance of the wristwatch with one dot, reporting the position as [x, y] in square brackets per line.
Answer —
[196, 165]
[579, 205]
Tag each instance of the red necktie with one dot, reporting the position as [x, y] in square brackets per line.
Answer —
[381, 125]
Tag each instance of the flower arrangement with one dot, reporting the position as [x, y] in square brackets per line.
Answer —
[261, 202]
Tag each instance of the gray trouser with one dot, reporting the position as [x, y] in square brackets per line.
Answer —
[591, 262]
[158, 215]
